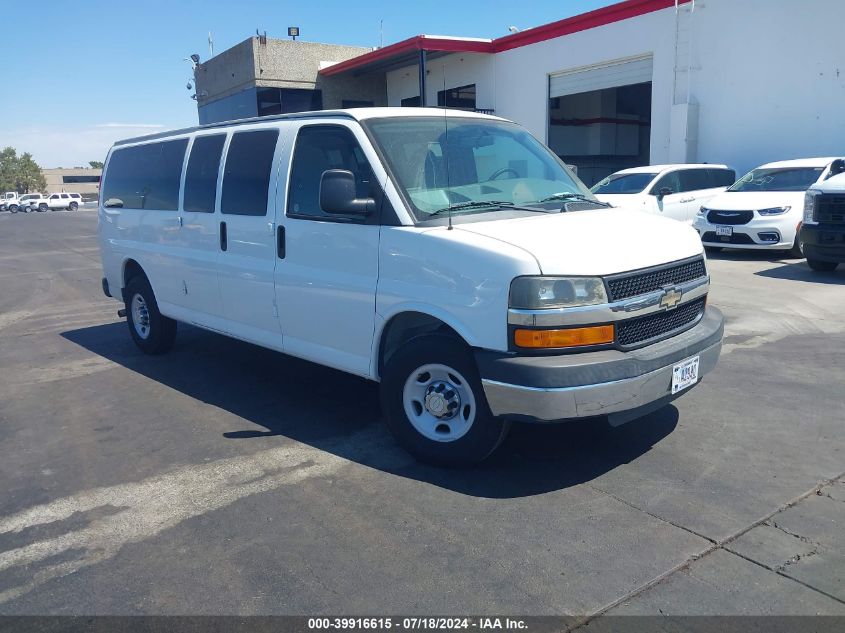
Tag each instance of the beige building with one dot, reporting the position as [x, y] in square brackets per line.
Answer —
[82, 181]
[262, 76]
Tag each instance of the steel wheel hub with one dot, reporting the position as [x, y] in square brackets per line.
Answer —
[439, 402]
[140, 316]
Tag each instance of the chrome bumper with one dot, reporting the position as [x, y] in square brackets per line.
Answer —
[622, 399]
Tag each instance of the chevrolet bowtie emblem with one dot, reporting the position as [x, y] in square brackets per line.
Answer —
[671, 298]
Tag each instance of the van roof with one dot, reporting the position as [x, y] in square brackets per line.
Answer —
[357, 114]
[800, 162]
[656, 169]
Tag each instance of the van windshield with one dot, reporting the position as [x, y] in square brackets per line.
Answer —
[624, 183]
[778, 179]
[469, 166]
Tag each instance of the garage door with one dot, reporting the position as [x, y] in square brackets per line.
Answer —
[610, 75]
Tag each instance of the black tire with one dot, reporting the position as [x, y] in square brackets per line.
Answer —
[73, 206]
[43, 207]
[797, 249]
[820, 266]
[159, 333]
[713, 249]
[13, 208]
[485, 432]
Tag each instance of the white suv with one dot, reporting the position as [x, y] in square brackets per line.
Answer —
[10, 201]
[672, 191]
[763, 209]
[450, 256]
[62, 201]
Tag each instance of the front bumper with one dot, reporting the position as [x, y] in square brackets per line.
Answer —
[824, 242]
[621, 385]
[770, 232]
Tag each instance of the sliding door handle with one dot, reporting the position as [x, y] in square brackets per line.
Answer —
[280, 242]
[224, 239]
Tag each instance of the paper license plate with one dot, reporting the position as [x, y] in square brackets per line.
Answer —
[724, 230]
[685, 374]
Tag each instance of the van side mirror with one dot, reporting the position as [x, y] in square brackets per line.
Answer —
[338, 196]
[663, 192]
[837, 167]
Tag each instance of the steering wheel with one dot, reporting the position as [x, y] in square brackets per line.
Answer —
[500, 172]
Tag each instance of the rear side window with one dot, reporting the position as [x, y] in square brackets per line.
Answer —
[694, 179]
[722, 177]
[246, 177]
[145, 176]
[671, 181]
[201, 177]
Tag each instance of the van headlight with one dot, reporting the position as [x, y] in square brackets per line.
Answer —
[773, 210]
[810, 206]
[536, 293]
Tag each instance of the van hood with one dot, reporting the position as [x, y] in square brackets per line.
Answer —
[623, 199]
[599, 242]
[753, 200]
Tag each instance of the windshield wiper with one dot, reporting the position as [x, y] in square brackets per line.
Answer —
[480, 204]
[574, 196]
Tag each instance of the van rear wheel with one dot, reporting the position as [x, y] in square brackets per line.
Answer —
[152, 332]
[434, 403]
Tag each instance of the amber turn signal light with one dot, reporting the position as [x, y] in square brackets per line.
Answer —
[571, 337]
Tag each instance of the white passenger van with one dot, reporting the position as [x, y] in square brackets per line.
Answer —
[450, 256]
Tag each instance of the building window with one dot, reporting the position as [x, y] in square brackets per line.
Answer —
[355, 103]
[462, 97]
[286, 100]
[411, 102]
[68, 180]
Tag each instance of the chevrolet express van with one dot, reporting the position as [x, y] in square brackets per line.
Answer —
[448, 255]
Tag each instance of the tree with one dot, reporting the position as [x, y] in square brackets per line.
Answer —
[95, 164]
[29, 176]
[20, 173]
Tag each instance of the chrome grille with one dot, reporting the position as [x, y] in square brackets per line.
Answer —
[641, 329]
[641, 282]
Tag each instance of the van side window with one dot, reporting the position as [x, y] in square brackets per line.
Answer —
[722, 177]
[319, 148]
[694, 179]
[246, 176]
[201, 176]
[145, 176]
[670, 180]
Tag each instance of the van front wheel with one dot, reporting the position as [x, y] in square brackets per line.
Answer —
[435, 405]
[152, 332]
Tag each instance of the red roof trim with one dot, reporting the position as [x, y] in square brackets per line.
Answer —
[600, 17]
[416, 43]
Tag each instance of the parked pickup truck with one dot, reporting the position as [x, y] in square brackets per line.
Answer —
[448, 255]
[10, 201]
[823, 229]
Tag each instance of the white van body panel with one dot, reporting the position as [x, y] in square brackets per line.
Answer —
[452, 275]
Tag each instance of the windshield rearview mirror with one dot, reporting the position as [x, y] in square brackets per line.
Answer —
[338, 195]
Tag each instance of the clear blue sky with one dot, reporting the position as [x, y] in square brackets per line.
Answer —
[94, 71]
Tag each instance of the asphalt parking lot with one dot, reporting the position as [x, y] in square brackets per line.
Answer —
[226, 479]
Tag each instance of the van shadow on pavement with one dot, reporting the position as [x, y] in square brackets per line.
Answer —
[339, 413]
